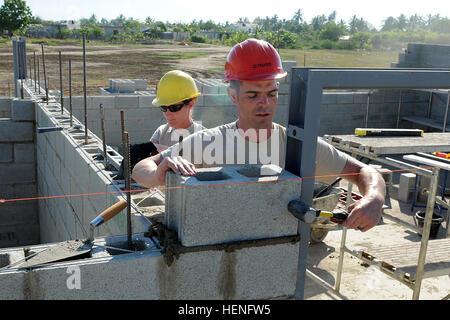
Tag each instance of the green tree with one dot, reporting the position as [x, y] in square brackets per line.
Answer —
[14, 15]
[332, 31]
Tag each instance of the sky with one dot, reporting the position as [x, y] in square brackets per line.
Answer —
[231, 10]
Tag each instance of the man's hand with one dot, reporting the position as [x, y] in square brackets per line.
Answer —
[364, 214]
[177, 164]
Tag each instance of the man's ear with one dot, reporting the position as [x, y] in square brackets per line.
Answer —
[232, 93]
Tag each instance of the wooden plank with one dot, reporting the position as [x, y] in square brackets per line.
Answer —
[430, 142]
[404, 257]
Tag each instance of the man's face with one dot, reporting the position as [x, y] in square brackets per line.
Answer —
[256, 102]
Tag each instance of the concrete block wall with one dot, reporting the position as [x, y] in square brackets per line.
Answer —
[343, 111]
[424, 56]
[66, 167]
[255, 272]
[19, 221]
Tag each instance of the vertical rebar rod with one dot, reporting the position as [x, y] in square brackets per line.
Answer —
[61, 93]
[102, 119]
[367, 110]
[70, 92]
[31, 79]
[39, 76]
[444, 126]
[20, 71]
[45, 73]
[430, 103]
[128, 186]
[84, 91]
[34, 64]
[399, 108]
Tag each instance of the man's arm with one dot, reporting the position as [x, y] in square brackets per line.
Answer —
[151, 171]
[366, 212]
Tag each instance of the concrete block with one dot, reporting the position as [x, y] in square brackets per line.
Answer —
[11, 131]
[24, 152]
[23, 110]
[212, 213]
[19, 213]
[19, 235]
[107, 102]
[406, 186]
[127, 102]
[344, 98]
[17, 173]
[6, 152]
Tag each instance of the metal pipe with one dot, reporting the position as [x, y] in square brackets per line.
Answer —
[70, 92]
[61, 95]
[426, 233]
[343, 248]
[444, 126]
[105, 154]
[84, 91]
[127, 169]
[45, 73]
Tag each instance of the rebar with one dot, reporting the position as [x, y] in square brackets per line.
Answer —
[84, 91]
[31, 80]
[34, 65]
[105, 154]
[20, 71]
[70, 92]
[61, 95]
[39, 76]
[45, 73]
[127, 170]
[399, 108]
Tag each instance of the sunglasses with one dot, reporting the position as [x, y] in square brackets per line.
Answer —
[174, 108]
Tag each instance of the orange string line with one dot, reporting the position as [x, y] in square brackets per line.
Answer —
[199, 186]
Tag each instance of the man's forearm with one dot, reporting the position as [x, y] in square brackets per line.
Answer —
[145, 173]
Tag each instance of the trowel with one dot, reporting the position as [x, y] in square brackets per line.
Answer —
[72, 249]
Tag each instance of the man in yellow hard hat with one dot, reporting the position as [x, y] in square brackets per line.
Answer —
[252, 69]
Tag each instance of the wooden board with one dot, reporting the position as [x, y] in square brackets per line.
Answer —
[430, 142]
[405, 257]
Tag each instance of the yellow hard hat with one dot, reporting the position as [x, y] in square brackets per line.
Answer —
[175, 86]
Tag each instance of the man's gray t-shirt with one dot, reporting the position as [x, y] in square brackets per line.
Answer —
[225, 146]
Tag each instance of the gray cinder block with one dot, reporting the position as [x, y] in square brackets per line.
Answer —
[23, 110]
[230, 204]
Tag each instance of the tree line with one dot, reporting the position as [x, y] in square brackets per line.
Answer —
[322, 32]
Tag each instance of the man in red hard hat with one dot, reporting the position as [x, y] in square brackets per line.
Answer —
[252, 70]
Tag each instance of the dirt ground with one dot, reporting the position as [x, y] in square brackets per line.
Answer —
[363, 282]
[149, 62]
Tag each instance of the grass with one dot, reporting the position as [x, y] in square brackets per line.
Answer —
[339, 58]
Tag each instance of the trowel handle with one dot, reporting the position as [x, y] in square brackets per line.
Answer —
[109, 213]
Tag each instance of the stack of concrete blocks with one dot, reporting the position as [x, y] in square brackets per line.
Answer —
[424, 56]
[66, 168]
[19, 223]
[233, 204]
[127, 85]
[406, 187]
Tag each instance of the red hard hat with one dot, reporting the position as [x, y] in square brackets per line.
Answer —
[253, 60]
